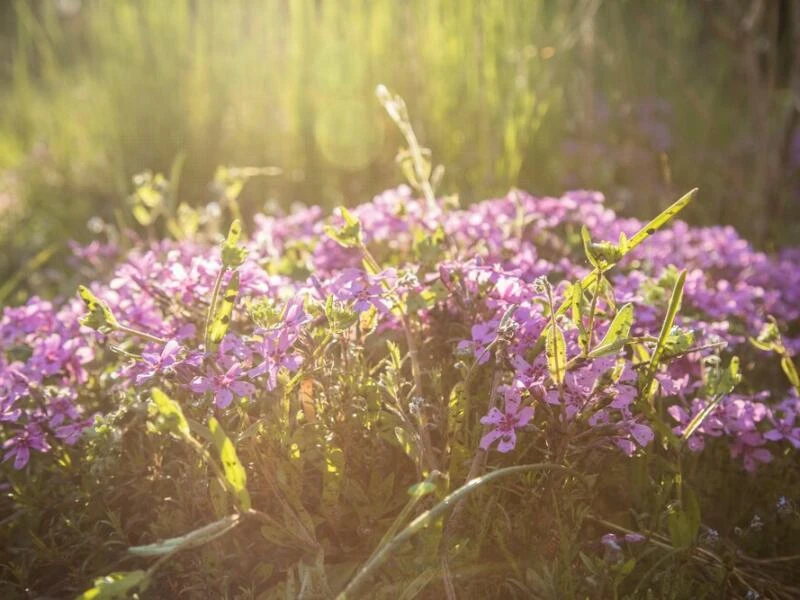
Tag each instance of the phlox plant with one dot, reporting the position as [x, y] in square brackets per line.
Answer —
[526, 397]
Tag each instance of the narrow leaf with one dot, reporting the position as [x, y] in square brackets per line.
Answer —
[169, 412]
[791, 372]
[556, 349]
[637, 239]
[193, 539]
[222, 316]
[725, 385]
[388, 547]
[587, 247]
[661, 220]
[235, 474]
[409, 444]
[617, 333]
[666, 327]
[116, 586]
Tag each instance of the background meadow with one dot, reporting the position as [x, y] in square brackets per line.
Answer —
[640, 100]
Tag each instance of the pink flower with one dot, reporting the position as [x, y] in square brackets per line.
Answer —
[784, 428]
[19, 446]
[224, 386]
[156, 363]
[507, 422]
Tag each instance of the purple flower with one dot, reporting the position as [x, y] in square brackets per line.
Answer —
[156, 363]
[784, 428]
[20, 444]
[611, 541]
[224, 386]
[274, 349]
[361, 288]
[70, 433]
[61, 407]
[507, 422]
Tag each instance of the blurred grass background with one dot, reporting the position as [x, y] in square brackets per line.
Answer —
[639, 99]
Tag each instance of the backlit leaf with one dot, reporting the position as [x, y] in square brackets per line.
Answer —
[169, 415]
[617, 333]
[661, 220]
[672, 311]
[556, 350]
[222, 316]
[235, 474]
[233, 255]
[115, 586]
[791, 372]
[100, 317]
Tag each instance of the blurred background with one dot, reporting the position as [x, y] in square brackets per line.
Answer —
[639, 99]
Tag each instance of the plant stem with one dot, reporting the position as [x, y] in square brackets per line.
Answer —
[212, 306]
[141, 334]
[592, 308]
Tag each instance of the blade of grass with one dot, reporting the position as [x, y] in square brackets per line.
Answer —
[429, 516]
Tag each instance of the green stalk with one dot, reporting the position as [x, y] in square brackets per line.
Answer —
[427, 518]
[213, 305]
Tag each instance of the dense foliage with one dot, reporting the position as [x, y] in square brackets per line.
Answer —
[410, 398]
[350, 357]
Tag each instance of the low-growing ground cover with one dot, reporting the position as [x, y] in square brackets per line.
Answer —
[409, 399]
[351, 357]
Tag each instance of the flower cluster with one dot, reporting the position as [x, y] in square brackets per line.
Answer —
[477, 270]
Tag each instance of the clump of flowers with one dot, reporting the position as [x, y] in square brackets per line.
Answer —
[411, 325]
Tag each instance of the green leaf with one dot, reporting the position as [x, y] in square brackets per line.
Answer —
[100, 317]
[731, 377]
[617, 333]
[235, 474]
[222, 316]
[723, 384]
[185, 223]
[456, 409]
[678, 342]
[168, 413]
[368, 320]
[679, 529]
[691, 508]
[233, 255]
[637, 239]
[587, 247]
[627, 567]
[769, 338]
[672, 311]
[409, 444]
[193, 539]
[556, 349]
[429, 247]
[423, 488]
[791, 372]
[622, 244]
[684, 523]
[332, 478]
[574, 296]
[116, 585]
[661, 220]
[349, 234]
